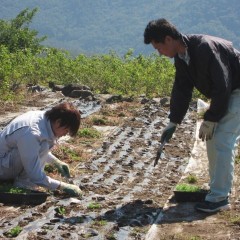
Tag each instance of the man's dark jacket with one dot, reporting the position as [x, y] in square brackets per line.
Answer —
[214, 69]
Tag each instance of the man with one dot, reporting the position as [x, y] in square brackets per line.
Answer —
[25, 145]
[211, 65]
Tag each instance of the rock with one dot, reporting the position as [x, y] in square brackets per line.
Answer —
[67, 90]
[165, 102]
[55, 87]
[82, 94]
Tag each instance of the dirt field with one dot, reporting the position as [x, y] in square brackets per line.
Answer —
[123, 193]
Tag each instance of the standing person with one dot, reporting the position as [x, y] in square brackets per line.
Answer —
[211, 65]
[25, 145]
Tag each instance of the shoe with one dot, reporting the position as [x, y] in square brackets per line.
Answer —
[211, 207]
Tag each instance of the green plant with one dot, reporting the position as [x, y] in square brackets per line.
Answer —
[99, 121]
[89, 133]
[14, 232]
[64, 151]
[191, 178]
[60, 210]
[16, 34]
[187, 188]
[94, 205]
[195, 238]
[8, 188]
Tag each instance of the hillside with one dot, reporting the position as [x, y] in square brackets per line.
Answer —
[94, 27]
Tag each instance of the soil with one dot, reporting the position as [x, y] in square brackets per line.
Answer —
[123, 193]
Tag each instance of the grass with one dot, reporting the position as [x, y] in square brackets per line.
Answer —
[183, 187]
[88, 133]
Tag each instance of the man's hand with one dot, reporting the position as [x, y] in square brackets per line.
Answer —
[206, 130]
[70, 189]
[168, 132]
[62, 168]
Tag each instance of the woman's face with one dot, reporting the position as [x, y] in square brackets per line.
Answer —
[59, 130]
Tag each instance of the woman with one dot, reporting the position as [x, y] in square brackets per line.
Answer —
[25, 145]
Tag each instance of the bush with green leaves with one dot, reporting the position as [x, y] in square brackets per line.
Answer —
[25, 61]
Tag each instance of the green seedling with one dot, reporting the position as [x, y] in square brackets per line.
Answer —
[60, 210]
[191, 178]
[8, 188]
[94, 206]
[187, 188]
[14, 232]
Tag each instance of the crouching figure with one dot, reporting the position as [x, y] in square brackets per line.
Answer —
[25, 145]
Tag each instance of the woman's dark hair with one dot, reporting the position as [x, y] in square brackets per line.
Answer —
[68, 115]
[157, 30]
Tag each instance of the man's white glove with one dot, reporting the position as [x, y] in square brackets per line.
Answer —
[70, 189]
[168, 132]
[206, 130]
[62, 167]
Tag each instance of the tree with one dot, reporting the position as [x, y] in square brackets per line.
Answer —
[16, 35]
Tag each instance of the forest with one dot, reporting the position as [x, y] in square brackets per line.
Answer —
[26, 61]
[98, 27]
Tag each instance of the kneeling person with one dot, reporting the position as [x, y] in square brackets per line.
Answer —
[25, 145]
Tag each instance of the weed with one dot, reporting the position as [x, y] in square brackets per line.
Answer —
[235, 220]
[94, 206]
[99, 121]
[195, 238]
[99, 223]
[88, 133]
[111, 237]
[64, 152]
[191, 178]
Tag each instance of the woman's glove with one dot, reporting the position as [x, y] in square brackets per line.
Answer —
[206, 130]
[70, 189]
[62, 168]
[168, 132]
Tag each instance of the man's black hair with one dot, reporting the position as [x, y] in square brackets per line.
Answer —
[157, 30]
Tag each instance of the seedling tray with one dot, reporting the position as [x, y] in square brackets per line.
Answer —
[182, 196]
[31, 198]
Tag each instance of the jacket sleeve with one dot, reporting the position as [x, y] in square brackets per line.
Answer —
[220, 75]
[28, 147]
[181, 93]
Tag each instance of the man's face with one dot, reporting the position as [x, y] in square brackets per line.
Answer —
[168, 48]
